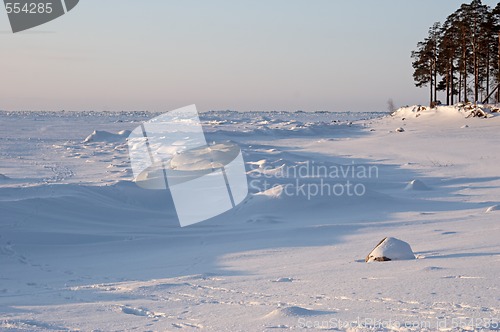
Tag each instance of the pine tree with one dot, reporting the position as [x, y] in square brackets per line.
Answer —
[477, 16]
[448, 56]
[488, 52]
[468, 44]
[463, 42]
[426, 62]
[495, 64]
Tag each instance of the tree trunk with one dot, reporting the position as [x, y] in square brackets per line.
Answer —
[464, 76]
[435, 60]
[452, 83]
[431, 84]
[498, 71]
[435, 81]
[448, 87]
[476, 77]
[464, 69]
[448, 70]
[460, 86]
[487, 75]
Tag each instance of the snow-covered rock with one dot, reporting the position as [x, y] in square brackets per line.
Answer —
[390, 249]
[399, 130]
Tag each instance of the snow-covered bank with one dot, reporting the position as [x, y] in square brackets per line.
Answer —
[83, 248]
[453, 111]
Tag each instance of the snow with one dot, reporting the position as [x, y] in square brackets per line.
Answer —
[203, 158]
[104, 136]
[283, 279]
[82, 247]
[295, 311]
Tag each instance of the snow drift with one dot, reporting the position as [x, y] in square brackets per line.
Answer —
[105, 136]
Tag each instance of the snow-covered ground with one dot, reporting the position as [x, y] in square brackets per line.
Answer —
[82, 248]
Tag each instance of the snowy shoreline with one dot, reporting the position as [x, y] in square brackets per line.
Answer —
[82, 247]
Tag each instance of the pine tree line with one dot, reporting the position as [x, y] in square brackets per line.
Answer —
[461, 56]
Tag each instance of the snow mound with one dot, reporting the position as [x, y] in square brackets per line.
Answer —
[399, 130]
[261, 163]
[273, 192]
[106, 136]
[295, 311]
[390, 249]
[458, 110]
[271, 171]
[205, 158]
[493, 208]
[141, 312]
[417, 185]
[409, 112]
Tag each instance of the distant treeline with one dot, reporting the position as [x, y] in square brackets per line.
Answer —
[461, 56]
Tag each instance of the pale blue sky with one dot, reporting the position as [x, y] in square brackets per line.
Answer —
[243, 55]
